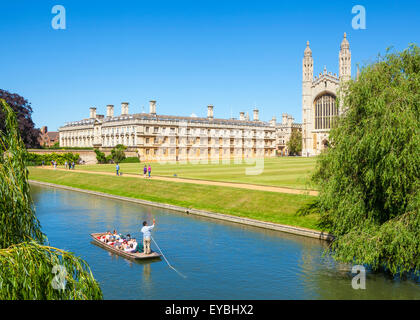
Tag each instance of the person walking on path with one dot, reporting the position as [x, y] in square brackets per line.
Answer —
[117, 168]
[144, 171]
[147, 235]
[72, 164]
[65, 164]
[150, 170]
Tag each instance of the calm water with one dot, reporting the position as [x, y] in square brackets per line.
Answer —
[220, 260]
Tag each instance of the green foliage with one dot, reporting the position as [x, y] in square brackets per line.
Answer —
[35, 159]
[369, 177]
[100, 156]
[66, 148]
[117, 153]
[27, 273]
[295, 142]
[18, 222]
[131, 160]
[108, 159]
[25, 262]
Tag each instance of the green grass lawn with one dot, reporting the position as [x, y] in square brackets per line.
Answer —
[259, 205]
[292, 172]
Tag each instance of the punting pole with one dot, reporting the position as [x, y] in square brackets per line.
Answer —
[170, 266]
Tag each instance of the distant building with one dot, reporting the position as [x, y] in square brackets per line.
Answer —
[48, 138]
[168, 138]
[319, 96]
[284, 131]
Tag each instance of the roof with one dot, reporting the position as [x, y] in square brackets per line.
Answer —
[52, 135]
[148, 116]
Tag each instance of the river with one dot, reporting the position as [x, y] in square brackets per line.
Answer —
[220, 260]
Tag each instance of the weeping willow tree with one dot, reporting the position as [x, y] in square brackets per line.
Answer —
[29, 268]
[369, 177]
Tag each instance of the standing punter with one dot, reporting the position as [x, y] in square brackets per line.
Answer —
[147, 236]
[117, 167]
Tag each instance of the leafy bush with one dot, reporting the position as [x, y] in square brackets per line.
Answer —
[35, 159]
[117, 153]
[100, 156]
[26, 263]
[295, 143]
[66, 148]
[109, 159]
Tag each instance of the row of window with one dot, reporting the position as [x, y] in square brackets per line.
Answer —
[198, 152]
[155, 130]
[325, 111]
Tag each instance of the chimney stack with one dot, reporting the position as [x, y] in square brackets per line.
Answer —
[124, 108]
[242, 116]
[256, 114]
[273, 121]
[210, 112]
[152, 107]
[92, 113]
[110, 111]
[284, 118]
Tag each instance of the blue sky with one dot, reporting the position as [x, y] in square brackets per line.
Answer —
[184, 54]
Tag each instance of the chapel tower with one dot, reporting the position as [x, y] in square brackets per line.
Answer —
[345, 60]
[307, 78]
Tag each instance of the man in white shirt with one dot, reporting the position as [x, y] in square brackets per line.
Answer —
[147, 236]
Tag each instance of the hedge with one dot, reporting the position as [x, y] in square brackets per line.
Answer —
[130, 160]
[35, 159]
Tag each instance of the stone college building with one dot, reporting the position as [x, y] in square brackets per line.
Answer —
[172, 138]
[158, 137]
[319, 99]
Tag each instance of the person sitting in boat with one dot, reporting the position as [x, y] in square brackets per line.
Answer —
[122, 244]
[117, 243]
[135, 245]
[115, 235]
[107, 236]
[131, 243]
[128, 237]
[131, 247]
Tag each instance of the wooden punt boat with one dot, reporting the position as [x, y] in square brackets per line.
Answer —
[128, 255]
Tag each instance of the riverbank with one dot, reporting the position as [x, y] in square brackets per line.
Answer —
[262, 206]
[251, 222]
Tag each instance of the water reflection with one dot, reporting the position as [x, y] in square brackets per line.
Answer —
[221, 260]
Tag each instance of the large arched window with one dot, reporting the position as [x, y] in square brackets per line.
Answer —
[325, 111]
